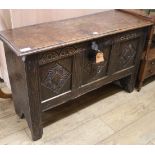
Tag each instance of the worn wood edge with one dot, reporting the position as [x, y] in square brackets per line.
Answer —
[42, 49]
[3, 39]
[88, 38]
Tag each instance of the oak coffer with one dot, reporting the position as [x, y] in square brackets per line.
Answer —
[52, 63]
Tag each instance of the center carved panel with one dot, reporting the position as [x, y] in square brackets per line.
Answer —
[94, 69]
[56, 78]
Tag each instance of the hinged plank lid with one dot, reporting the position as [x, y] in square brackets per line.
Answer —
[40, 37]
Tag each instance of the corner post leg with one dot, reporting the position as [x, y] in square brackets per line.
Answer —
[34, 112]
[24, 79]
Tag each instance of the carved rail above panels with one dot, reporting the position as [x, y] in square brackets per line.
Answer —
[128, 36]
[58, 54]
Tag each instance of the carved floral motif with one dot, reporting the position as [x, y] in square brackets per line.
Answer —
[56, 78]
[127, 55]
[128, 36]
[58, 54]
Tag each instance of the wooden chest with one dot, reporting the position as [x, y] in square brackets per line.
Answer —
[52, 63]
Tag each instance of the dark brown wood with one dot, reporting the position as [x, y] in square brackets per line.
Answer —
[24, 79]
[143, 72]
[50, 35]
[61, 64]
[33, 87]
[53, 102]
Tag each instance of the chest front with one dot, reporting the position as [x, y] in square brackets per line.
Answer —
[71, 68]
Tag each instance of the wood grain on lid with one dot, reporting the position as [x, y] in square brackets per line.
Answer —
[40, 37]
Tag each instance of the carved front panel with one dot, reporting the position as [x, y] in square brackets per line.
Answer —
[61, 71]
[127, 54]
[55, 78]
[123, 55]
[92, 70]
